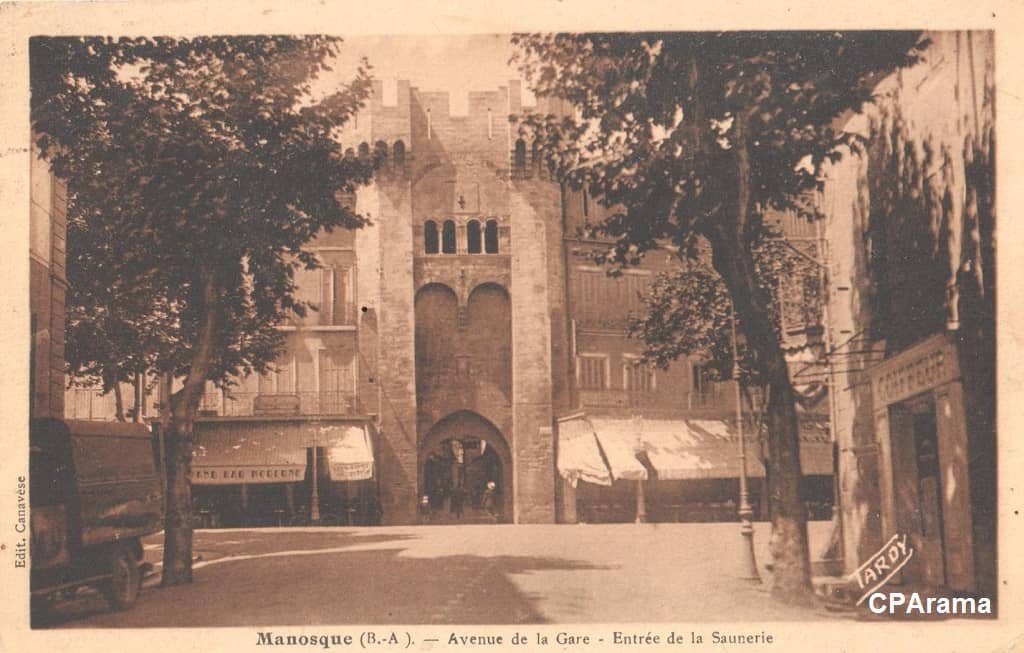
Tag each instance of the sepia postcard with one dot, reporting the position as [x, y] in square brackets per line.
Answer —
[547, 326]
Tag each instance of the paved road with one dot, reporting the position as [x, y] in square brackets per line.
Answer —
[496, 574]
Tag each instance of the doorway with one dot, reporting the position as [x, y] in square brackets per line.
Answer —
[465, 473]
[922, 518]
[462, 480]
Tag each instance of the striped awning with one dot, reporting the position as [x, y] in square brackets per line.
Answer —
[676, 449]
[694, 449]
[620, 441]
[578, 455]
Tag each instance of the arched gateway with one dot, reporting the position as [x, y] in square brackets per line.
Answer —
[465, 472]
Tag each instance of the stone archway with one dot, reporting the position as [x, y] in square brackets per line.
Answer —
[459, 455]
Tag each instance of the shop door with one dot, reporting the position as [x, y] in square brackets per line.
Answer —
[928, 544]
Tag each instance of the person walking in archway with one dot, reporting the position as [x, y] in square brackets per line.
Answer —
[488, 501]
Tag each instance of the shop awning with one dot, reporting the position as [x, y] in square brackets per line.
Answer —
[620, 441]
[349, 452]
[677, 449]
[578, 455]
[692, 449]
[695, 449]
[227, 457]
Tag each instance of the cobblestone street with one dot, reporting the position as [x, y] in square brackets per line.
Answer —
[494, 574]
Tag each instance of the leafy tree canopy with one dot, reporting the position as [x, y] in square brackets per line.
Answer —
[657, 117]
[689, 311]
[191, 164]
[689, 137]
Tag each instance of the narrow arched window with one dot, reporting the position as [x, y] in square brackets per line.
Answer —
[535, 155]
[491, 237]
[474, 244]
[380, 152]
[448, 237]
[364, 150]
[398, 151]
[519, 158]
[430, 237]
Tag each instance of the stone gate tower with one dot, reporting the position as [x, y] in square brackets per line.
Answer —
[459, 276]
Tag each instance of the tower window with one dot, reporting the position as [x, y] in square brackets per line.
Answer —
[430, 237]
[448, 237]
[519, 158]
[398, 150]
[491, 237]
[474, 244]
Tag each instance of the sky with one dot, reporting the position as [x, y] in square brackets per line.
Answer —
[456, 63]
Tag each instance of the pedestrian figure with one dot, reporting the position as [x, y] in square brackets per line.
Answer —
[458, 498]
[488, 502]
[425, 512]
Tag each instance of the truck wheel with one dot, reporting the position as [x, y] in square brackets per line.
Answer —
[122, 590]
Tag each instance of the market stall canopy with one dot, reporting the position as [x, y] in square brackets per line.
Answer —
[230, 456]
[578, 455]
[620, 441]
[349, 452]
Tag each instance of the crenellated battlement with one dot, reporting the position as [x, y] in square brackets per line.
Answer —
[415, 120]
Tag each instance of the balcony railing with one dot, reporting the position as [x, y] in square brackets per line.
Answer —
[341, 314]
[613, 398]
[255, 404]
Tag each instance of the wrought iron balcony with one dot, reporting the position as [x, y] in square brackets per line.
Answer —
[250, 404]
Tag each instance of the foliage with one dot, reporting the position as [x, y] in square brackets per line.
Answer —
[689, 311]
[197, 169]
[187, 159]
[657, 116]
[690, 138]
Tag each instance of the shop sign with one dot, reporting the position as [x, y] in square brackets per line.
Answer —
[923, 367]
[228, 475]
[354, 471]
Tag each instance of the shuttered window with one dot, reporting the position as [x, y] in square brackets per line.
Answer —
[592, 371]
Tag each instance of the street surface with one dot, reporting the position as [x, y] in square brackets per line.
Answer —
[481, 574]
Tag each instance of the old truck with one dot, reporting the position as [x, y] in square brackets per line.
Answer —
[94, 493]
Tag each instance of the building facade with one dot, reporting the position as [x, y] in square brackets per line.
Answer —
[458, 335]
[910, 227]
[47, 288]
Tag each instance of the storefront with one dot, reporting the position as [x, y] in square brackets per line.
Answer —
[674, 470]
[283, 472]
[921, 431]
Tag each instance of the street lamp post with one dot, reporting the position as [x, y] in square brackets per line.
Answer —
[748, 570]
[314, 495]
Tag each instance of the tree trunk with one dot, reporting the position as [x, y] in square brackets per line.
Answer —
[118, 402]
[178, 445]
[731, 257]
[178, 517]
[138, 397]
